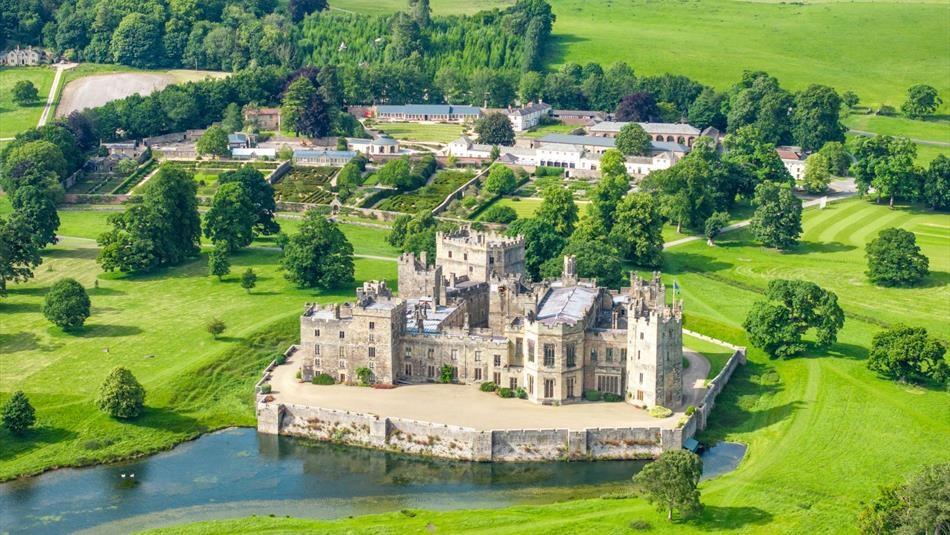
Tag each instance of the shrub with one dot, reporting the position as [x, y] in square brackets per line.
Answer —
[364, 375]
[280, 358]
[66, 304]
[506, 393]
[121, 395]
[640, 525]
[592, 395]
[488, 387]
[660, 412]
[265, 389]
[499, 214]
[446, 374]
[611, 397]
[690, 410]
[18, 414]
[322, 379]
[521, 393]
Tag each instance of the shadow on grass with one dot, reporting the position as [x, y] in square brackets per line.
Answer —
[19, 308]
[838, 350]
[229, 339]
[557, 47]
[82, 253]
[727, 518]
[166, 420]
[23, 341]
[820, 247]
[14, 445]
[33, 290]
[95, 330]
[678, 263]
[103, 292]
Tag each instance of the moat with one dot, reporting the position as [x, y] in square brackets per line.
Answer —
[239, 472]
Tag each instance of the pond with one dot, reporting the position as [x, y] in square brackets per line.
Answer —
[237, 472]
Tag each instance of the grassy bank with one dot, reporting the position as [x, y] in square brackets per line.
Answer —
[13, 117]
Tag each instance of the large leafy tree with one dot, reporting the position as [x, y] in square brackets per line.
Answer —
[610, 189]
[918, 506]
[639, 106]
[319, 255]
[66, 304]
[904, 352]
[758, 100]
[937, 184]
[637, 229]
[558, 209]
[260, 194]
[816, 119]
[229, 224]
[39, 210]
[790, 308]
[886, 164]
[19, 254]
[121, 395]
[633, 140]
[495, 129]
[817, 173]
[746, 147]
[671, 483]
[777, 220]
[37, 163]
[922, 100]
[24, 92]
[837, 157]
[137, 41]
[299, 9]
[706, 110]
[541, 243]
[214, 142]
[595, 259]
[18, 414]
[295, 101]
[894, 259]
[501, 180]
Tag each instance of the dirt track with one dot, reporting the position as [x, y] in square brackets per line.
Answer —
[93, 91]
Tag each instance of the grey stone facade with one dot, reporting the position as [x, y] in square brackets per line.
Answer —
[474, 312]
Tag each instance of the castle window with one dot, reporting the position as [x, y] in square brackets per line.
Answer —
[317, 363]
[316, 350]
[431, 372]
[623, 353]
[549, 388]
[316, 332]
[372, 352]
[342, 364]
[408, 352]
[497, 378]
[513, 383]
[530, 350]
[372, 338]
[372, 365]
[464, 256]
[549, 354]
[450, 254]
[609, 354]
[342, 352]
[497, 361]
[571, 355]
[531, 384]
[519, 347]
[455, 354]
[342, 335]
[593, 355]
[431, 353]
[478, 356]
[478, 374]
[408, 368]
[372, 325]
[638, 354]
[608, 383]
[641, 378]
[641, 336]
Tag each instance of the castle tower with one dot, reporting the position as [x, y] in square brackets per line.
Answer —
[654, 346]
[417, 279]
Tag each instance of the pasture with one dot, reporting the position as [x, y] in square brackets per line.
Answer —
[877, 49]
[13, 117]
[426, 133]
[823, 431]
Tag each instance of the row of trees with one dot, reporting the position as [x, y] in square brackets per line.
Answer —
[887, 164]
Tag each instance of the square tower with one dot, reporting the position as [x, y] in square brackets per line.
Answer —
[478, 256]
[654, 346]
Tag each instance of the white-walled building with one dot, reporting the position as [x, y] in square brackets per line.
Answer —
[794, 160]
[529, 116]
[681, 133]
[379, 146]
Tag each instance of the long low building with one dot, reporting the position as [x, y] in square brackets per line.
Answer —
[323, 158]
[441, 113]
[681, 133]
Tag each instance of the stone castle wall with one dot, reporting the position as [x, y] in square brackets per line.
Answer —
[463, 443]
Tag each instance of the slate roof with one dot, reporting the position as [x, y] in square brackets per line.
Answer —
[310, 153]
[566, 305]
[429, 109]
[652, 128]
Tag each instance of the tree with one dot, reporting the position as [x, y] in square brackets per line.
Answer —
[922, 100]
[299, 9]
[937, 184]
[530, 87]
[850, 99]
[745, 147]
[541, 243]
[248, 280]
[296, 99]
[232, 121]
[37, 163]
[229, 224]
[757, 100]
[215, 327]
[639, 107]
[137, 41]
[66, 304]
[39, 210]
[777, 221]
[218, 263]
[499, 214]
[558, 209]
[894, 259]
[904, 352]
[285, 152]
[790, 309]
[18, 415]
[319, 255]
[886, 164]
[259, 194]
[685, 191]
[671, 482]
[816, 119]
[495, 129]
[837, 157]
[163, 230]
[501, 180]
[214, 142]
[918, 506]
[19, 254]
[634, 140]
[595, 259]
[714, 225]
[314, 118]
[637, 230]
[817, 175]
[609, 190]
[121, 395]
[24, 92]
[706, 110]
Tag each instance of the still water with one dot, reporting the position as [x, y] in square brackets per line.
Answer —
[237, 472]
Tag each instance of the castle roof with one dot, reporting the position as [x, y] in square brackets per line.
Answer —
[566, 305]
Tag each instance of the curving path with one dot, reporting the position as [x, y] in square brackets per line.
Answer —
[51, 98]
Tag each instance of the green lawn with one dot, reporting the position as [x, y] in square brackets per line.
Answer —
[438, 133]
[526, 207]
[822, 431]
[13, 117]
[930, 129]
[877, 49]
[716, 354]
[558, 128]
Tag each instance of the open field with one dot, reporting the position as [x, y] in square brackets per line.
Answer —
[13, 117]
[937, 130]
[877, 49]
[436, 132]
[823, 432]
[542, 131]
[92, 90]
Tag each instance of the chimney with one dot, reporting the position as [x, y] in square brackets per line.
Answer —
[569, 276]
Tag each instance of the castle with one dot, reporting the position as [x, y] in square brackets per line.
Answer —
[473, 312]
